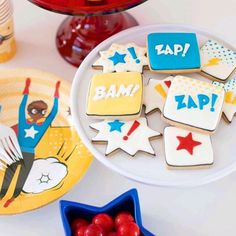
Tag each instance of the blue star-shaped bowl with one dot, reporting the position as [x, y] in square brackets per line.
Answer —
[128, 201]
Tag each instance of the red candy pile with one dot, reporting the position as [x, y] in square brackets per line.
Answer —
[103, 225]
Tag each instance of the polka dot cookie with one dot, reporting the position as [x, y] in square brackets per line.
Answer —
[229, 107]
[218, 62]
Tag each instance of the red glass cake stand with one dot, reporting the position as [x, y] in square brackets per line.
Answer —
[92, 22]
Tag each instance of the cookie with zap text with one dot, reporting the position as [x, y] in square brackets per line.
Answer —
[130, 136]
[122, 58]
[229, 107]
[187, 149]
[173, 52]
[115, 95]
[155, 93]
[194, 104]
[218, 61]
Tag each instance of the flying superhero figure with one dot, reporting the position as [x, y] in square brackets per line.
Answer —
[29, 133]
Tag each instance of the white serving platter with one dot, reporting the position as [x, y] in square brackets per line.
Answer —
[143, 167]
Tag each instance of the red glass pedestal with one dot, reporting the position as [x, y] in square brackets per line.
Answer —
[78, 35]
[92, 22]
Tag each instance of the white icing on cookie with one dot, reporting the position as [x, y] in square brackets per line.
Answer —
[229, 107]
[102, 93]
[155, 93]
[184, 148]
[122, 58]
[194, 103]
[217, 60]
[130, 136]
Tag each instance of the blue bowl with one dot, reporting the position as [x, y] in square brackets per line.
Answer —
[128, 201]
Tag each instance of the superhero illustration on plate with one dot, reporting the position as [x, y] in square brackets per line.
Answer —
[29, 133]
[39, 149]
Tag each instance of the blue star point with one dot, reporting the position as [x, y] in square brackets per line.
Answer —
[116, 125]
[117, 58]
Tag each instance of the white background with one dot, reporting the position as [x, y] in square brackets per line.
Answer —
[204, 211]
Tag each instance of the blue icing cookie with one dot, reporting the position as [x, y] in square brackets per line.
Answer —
[173, 51]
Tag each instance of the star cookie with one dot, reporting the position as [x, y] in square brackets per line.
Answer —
[155, 93]
[122, 58]
[129, 136]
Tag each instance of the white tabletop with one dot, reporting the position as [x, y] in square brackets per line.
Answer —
[203, 211]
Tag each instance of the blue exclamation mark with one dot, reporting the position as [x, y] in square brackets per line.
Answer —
[213, 101]
[133, 54]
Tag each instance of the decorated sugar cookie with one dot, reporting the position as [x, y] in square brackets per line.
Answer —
[229, 107]
[121, 58]
[184, 148]
[155, 93]
[129, 136]
[218, 61]
[115, 95]
[173, 52]
[194, 103]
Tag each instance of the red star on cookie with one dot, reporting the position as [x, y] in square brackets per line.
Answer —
[187, 143]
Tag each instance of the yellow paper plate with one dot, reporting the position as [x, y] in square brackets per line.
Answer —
[59, 157]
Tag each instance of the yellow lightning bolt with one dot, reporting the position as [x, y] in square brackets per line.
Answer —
[160, 90]
[213, 62]
[230, 97]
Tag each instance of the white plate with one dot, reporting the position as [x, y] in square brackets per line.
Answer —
[144, 168]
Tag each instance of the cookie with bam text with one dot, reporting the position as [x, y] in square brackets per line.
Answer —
[194, 104]
[122, 58]
[115, 95]
[130, 136]
[229, 107]
[218, 61]
[187, 149]
[173, 52]
[155, 93]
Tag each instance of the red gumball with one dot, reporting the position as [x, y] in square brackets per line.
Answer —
[94, 230]
[77, 223]
[80, 231]
[123, 217]
[129, 228]
[105, 221]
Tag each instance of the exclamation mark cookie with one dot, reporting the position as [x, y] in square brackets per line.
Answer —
[155, 93]
[122, 58]
[129, 136]
[187, 149]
